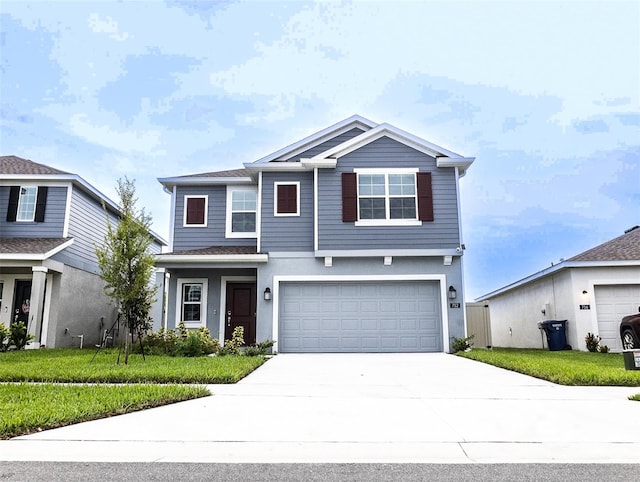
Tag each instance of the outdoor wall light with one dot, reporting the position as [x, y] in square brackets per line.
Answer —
[267, 294]
[584, 292]
[452, 293]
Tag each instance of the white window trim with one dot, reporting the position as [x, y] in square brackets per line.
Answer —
[206, 210]
[388, 221]
[228, 232]
[275, 198]
[35, 204]
[203, 311]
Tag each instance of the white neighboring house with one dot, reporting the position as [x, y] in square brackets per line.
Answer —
[592, 291]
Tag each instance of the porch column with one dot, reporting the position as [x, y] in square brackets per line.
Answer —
[38, 282]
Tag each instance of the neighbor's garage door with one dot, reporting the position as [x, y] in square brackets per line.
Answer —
[389, 316]
[612, 303]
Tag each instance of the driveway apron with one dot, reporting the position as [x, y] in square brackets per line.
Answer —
[363, 408]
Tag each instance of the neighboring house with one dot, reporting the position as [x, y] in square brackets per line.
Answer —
[592, 291]
[49, 275]
[346, 241]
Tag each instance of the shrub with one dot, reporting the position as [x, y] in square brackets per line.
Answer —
[603, 349]
[18, 335]
[259, 349]
[4, 337]
[232, 347]
[592, 342]
[180, 342]
[462, 344]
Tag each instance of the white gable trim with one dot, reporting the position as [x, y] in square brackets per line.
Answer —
[313, 140]
[387, 130]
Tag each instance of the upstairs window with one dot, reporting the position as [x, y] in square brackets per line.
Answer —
[387, 197]
[27, 203]
[286, 199]
[242, 208]
[195, 210]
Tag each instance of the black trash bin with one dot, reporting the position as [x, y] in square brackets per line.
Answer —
[556, 331]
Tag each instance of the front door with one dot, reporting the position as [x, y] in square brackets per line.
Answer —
[22, 301]
[241, 311]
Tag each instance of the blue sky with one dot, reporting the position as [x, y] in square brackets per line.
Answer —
[545, 95]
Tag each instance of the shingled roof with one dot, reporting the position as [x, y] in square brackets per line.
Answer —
[18, 165]
[622, 248]
[230, 173]
[26, 246]
[217, 251]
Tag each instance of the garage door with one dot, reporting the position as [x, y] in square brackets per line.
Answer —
[612, 303]
[394, 316]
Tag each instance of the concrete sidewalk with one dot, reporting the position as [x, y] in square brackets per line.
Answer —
[430, 408]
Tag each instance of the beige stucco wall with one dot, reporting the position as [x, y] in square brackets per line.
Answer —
[515, 314]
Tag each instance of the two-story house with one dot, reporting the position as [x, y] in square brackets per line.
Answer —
[348, 240]
[49, 274]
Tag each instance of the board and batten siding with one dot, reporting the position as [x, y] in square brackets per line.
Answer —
[441, 233]
[51, 227]
[320, 148]
[213, 234]
[287, 233]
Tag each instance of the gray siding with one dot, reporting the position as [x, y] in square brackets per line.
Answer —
[53, 224]
[287, 233]
[328, 144]
[88, 227]
[213, 234]
[442, 233]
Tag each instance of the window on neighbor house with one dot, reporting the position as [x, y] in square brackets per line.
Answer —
[242, 207]
[286, 199]
[27, 203]
[195, 210]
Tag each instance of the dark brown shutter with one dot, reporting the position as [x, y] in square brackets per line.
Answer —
[195, 210]
[349, 197]
[287, 199]
[425, 197]
[41, 204]
[12, 208]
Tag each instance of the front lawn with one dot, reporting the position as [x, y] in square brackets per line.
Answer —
[28, 408]
[75, 366]
[563, 367]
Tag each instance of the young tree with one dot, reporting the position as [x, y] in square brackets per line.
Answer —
[127, 264]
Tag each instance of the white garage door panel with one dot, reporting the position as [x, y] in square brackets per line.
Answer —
[376, 316]
[612, 303]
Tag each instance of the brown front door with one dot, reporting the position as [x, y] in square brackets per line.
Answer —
[241, 311]
[22, 302]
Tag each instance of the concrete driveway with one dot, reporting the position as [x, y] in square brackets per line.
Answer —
[363, 408]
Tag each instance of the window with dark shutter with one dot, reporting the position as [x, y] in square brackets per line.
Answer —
[425, 196]
[41, 204]
[195, 210]
[286, 199]
[12, 208]
[349, 197]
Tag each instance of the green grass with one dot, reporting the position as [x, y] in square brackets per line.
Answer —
[562, 367]
[28, 408]
[75, 366]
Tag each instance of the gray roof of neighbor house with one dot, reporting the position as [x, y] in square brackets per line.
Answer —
[13, 248]
[622, 248]
[621, 251]
[18, 165]
[14, 167]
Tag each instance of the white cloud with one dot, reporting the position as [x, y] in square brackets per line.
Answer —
[107, 25]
